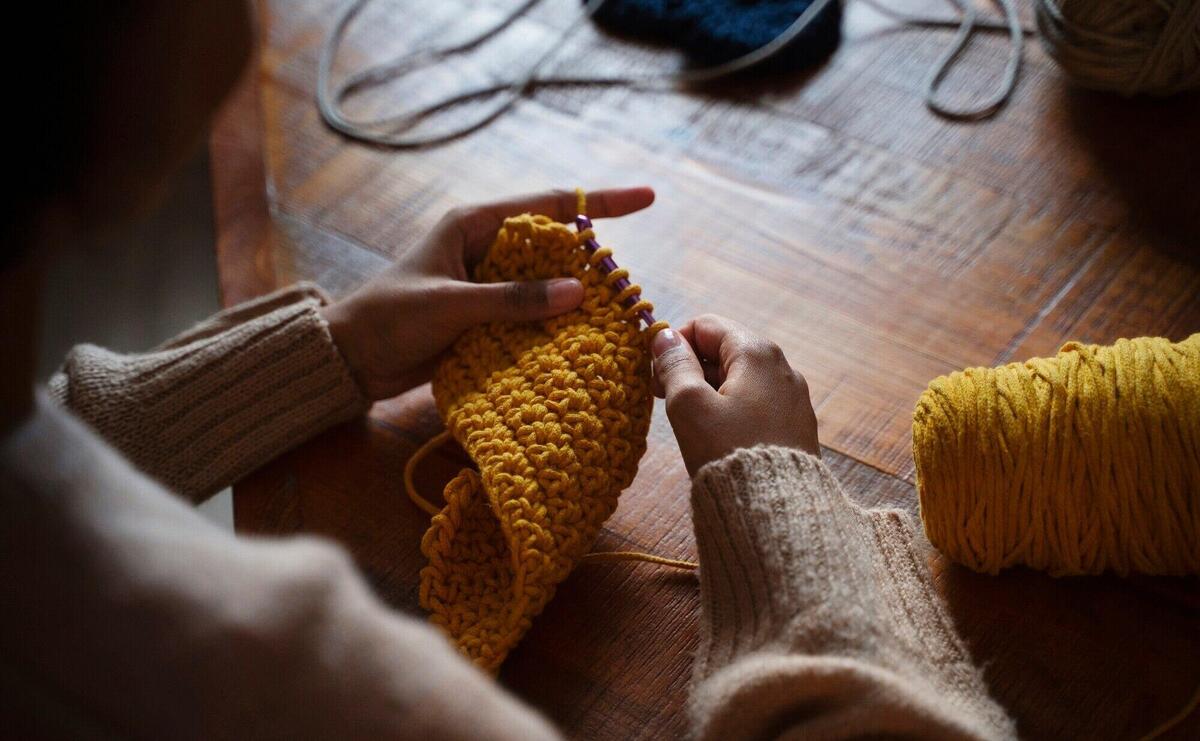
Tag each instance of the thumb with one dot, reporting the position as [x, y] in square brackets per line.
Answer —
[522, 301]
[677, 371]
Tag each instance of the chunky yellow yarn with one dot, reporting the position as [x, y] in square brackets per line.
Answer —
[555, 416]
[1078, 464]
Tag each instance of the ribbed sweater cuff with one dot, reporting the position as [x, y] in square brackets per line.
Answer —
[221, 399]
[760, 516]
[790, 566]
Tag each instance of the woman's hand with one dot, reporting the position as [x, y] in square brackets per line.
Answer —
[727, 388]
[392, 329]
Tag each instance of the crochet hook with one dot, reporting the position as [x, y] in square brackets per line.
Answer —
[607, 265]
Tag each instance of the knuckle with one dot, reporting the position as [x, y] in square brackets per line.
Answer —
[524, 295]
[764, 351]
[800, 381]
[666, 364]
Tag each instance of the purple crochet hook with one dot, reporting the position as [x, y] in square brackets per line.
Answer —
[583, 223]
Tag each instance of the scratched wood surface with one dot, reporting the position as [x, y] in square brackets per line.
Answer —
[879, 245]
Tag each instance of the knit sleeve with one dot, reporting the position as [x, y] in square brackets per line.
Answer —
[820, 618]
[221, 399]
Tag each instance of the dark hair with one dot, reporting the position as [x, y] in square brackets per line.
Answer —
[57, 85]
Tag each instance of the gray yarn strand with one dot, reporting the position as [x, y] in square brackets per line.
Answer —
[392, 131]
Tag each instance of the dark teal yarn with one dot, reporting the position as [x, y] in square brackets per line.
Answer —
[715, 31]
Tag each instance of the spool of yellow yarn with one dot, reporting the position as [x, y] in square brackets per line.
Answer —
[1082, 463]
[1126, 46]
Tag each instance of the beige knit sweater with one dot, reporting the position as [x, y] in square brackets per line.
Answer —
[126, 614]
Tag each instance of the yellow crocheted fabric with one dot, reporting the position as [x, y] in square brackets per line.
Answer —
[555, 415]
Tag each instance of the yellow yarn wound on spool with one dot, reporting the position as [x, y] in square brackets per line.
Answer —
[1082, 463]
[555, 415]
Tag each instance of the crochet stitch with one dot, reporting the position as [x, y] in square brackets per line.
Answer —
[555, 415]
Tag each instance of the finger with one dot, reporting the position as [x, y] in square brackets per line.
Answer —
[478, 224]
[686, 333]
[520, 301]
[656, 384]
[677, 371]
[731, 347]
[712, 333]
[713, 373]
[562, 205]
[711, 377]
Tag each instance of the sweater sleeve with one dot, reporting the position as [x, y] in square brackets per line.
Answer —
[819, 618]
[221, 399]
[127, 614]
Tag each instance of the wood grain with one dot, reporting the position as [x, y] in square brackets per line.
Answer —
[879, 245]
[244, 229]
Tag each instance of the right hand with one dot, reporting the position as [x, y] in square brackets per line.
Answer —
[727, 388]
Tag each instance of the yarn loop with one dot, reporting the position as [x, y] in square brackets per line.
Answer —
[1082, 463]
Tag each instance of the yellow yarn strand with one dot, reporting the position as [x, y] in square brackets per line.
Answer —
[444, 437]
[1174, 720]
[1082, 463]
[626, 556]
[554, 414]
[410, 468]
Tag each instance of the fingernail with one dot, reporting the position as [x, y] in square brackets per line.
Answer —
[665, 340]
[563, 294]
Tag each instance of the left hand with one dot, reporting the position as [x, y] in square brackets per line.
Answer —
[745, 394]
[393, 328]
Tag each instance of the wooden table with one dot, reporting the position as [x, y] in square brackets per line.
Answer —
[879, 245]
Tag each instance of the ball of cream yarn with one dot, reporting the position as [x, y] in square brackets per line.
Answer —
[1126, 46]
